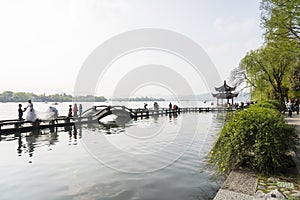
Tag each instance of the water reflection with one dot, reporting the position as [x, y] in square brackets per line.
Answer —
[72, 135]
[28, 142]
[31, 140]
[173, 116]
[20, 145]
[49, 137]
[116, 126]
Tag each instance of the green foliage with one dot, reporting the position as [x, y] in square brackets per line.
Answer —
[256, 137]
[281, 21]
[275, 104]
[269, 68]
[265, 105]
[272, 71]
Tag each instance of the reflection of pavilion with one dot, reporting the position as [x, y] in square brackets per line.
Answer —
[225, 92]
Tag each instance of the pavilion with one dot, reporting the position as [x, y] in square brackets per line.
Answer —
[225, 92]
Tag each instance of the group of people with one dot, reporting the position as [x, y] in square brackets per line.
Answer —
[174, 108]
[50, 114]
[30, 116]
[240, 105]
[156, 106]
[73, 112]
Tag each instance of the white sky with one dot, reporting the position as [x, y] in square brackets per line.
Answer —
[43, 43]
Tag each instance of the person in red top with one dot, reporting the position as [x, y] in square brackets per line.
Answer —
[75, 110]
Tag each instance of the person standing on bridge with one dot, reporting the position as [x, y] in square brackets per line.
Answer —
[31, 115]
[80, 110]
[70, 114]
[170, 106]
[75, 110]
[20, 111]
[156, 107]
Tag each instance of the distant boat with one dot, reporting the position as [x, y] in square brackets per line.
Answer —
[46, 102]
[55, 103]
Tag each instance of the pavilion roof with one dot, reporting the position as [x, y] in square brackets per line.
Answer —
[225, 88]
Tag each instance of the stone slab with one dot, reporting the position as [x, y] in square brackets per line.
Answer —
[231, 195]
[241, 181]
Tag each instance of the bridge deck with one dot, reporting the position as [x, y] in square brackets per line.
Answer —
[95, 114]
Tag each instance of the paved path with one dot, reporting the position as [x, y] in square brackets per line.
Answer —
[295, 120]
[240, 185]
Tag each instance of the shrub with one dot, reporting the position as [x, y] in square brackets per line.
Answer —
[257, 137]
[279, 105]
[265, 105]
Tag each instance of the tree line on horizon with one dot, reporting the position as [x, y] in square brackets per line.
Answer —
[9, 96]
[273, 70]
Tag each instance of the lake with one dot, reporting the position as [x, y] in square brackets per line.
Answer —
[162, 157]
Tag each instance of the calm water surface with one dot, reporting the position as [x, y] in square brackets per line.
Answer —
[157, 158]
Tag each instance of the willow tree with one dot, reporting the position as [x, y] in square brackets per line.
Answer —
[281, 22]
[269, 68]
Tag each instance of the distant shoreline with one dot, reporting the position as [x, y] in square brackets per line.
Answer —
[9, 96]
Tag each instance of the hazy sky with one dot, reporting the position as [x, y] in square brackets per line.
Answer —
[43, 43]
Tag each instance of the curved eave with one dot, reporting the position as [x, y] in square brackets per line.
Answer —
[225, 96]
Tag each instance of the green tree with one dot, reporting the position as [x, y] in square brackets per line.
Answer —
[7, 96]
[21, 96]
[281, 21]
[269, 66]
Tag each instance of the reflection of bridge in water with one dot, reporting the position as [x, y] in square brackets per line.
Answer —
[95, 114]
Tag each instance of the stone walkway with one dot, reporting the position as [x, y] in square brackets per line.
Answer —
[295, 120]
[240, 185]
